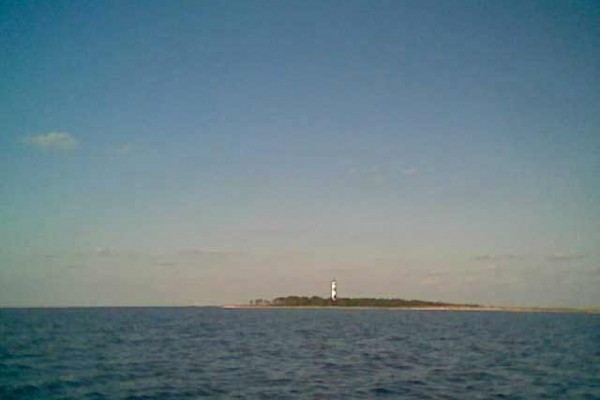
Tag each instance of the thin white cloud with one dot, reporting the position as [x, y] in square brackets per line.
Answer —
[102, 251]
[410, 171]
[564, 257]
[431, 279]
[491, 267]
[167, 263]
[53, 141]
[209, 253]
[123, 149]
[496, 257]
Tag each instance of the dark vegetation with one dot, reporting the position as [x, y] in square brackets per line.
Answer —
[316, 301]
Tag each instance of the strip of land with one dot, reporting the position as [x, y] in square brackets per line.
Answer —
[315, 302]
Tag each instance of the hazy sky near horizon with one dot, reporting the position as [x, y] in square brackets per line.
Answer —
[203, 152]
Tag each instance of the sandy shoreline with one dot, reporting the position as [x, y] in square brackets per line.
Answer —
[446, 308]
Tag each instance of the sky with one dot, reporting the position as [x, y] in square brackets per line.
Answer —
[206, 152]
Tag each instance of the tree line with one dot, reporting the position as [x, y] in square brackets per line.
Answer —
[316, 301]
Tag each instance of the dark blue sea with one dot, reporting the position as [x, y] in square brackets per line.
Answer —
[213, 353]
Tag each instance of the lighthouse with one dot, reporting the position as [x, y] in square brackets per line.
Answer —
[333, 290]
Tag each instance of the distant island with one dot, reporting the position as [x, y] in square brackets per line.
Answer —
[396, 304]
[316, 301]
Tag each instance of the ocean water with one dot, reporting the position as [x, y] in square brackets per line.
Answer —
[192, 353]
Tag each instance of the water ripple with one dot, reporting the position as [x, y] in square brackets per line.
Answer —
[190, 353]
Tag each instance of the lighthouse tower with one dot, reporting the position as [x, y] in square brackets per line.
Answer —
[333, 290]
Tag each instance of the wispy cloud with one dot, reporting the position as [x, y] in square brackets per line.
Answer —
[433, 278]
[52, 141]
[192, 258]
[209, 253]
[167, 263]
[430, 280]
[496, 257]
[123, 149]
[595, 271]
[102, 251]
[276, 230]
[410, 171]
[564, 257]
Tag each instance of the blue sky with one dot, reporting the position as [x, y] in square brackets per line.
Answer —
[158, 153]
